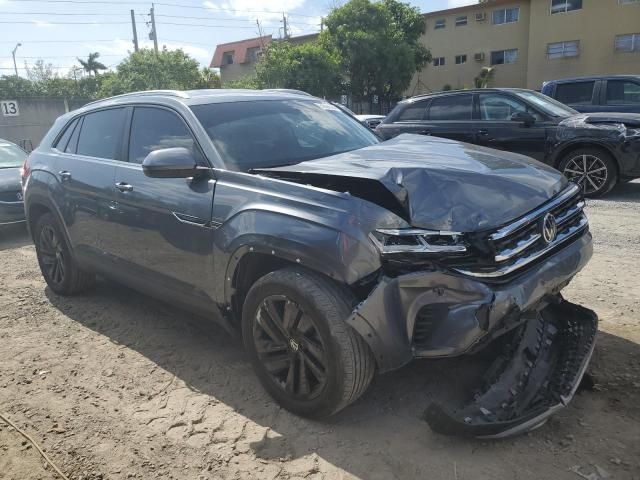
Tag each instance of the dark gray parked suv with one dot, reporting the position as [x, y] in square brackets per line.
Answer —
[331, 254]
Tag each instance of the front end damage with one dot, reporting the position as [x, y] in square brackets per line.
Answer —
[541, 344]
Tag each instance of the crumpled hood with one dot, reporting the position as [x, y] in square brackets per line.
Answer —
[10, 179]
[440, 184]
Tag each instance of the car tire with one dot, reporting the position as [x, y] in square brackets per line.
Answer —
[604, 172]
[57, 265]
[316, 364]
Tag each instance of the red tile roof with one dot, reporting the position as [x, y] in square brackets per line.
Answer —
[239, 49]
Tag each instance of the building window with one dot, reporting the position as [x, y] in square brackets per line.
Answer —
[506, 15]
[629, 2]
[563, 49]
[440, 24]
[253, 54]
[564, 6]
[438, 62]
[461, 21]
[628, 43]
[227, 58]
[502, 57]
[460, 59]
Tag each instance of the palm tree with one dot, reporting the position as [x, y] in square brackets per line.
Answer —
[485, 77]
[92, 65]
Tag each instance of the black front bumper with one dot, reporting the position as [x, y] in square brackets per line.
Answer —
[536, 375]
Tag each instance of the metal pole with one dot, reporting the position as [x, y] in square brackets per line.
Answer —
[284, 20]
[155, 32]
[13, 54]
[135, 32]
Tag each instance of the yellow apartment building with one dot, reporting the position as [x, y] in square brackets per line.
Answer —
[529, 42]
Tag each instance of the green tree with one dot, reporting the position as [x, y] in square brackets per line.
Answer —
[91, 64]
[248, 81]
[40, 71]
[148, 70]
[379, 45]
[310, 67]
[209, 79]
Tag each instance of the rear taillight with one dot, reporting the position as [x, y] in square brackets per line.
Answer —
[24, 171]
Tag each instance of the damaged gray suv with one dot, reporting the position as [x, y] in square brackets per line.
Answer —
[333, 255]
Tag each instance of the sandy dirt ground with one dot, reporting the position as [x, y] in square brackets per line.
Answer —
[114, 385]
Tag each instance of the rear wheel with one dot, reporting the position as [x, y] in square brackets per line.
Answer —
[303, 352]
[58, 267]
[594, 170]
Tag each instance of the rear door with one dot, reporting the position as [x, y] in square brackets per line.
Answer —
[621, 95]
[496, 129]
[410, 120]
[165, 232]
[580, 95]
[451, 116]
[88, 152]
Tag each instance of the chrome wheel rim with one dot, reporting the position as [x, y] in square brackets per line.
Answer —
[290, 347]
[52, 255]
[588, 171]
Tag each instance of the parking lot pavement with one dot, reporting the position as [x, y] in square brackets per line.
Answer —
[114, 385]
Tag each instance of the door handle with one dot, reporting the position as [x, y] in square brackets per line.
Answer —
[64, 175]
[124, 187]
[483, 131]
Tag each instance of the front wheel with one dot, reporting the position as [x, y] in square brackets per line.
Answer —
[594, 170]
[304, 354]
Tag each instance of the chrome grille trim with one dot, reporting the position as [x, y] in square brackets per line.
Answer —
[512, 228]
[508, 254]
[523, 261]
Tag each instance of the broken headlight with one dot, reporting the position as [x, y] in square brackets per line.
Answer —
[411, 240]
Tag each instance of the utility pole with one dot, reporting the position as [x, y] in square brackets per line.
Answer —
[154, 33]
[13, 54]
[322, 24]
[284, 21]
[135, 32]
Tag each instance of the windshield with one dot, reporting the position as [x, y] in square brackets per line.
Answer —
[11, 155]
[546, 104]
[269, 133]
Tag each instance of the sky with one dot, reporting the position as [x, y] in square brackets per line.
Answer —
[59, 31]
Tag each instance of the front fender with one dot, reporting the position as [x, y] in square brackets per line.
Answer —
[321, 248]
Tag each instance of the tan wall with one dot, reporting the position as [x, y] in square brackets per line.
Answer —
[236, 71]
[475, 37]
[596, 26]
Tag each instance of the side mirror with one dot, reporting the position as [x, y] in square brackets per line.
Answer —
[523, 117]
[177, 162]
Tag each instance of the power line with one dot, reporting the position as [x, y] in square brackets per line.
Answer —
[133, 2]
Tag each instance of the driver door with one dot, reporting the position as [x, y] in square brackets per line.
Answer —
[496, 129]
[166, 237]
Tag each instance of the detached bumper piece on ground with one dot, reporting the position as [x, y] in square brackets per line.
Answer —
[538, 374]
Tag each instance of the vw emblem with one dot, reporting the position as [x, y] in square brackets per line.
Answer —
[294, 345]
[549, 228]
[19, 196]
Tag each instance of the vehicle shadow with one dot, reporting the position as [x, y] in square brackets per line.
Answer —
[380, 436]
[14, 236]
[624, 192]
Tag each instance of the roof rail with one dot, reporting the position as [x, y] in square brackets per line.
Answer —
[169, 93]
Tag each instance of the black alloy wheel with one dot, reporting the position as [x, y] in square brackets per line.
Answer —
[52, 255]
[289, 345]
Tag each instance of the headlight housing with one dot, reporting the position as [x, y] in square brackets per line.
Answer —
[411, 240]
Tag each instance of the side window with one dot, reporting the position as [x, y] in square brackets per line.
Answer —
[101, 134]
[623, 92]
[454, 107]
[63, 141]
[73, 141]
[154, 129]
[578, 93]
[500, 107]
[413, 112]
